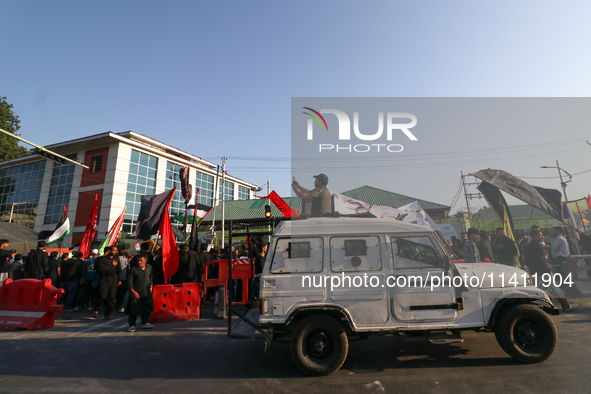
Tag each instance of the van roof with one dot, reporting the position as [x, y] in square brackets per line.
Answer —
[346, 225]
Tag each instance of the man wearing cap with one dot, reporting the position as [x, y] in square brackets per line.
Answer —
[321, 199]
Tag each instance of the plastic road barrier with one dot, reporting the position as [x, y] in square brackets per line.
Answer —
[241, 272]
[176, 302]
[28, 304]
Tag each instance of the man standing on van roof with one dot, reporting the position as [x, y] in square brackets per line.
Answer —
[321, 199]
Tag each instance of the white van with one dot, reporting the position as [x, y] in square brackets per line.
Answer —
[326, 280]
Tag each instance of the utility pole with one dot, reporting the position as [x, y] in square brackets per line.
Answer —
[466, 195]
[223, 199]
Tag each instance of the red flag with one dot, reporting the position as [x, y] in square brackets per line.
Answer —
[90, 230]
[287, 211]
[170, 253]
[116, 229]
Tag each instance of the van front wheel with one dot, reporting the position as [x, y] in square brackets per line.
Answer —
[319, 345]
[527, 334]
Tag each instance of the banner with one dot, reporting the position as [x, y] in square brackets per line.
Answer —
[410, 213]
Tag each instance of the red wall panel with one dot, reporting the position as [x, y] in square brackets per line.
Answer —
[94, 178]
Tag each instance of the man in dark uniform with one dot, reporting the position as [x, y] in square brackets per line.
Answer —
[321, 199]
[108, 270]
[188, 265]
[139, 283]
[36, 265]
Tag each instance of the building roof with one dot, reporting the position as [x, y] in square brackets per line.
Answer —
[375, 196]
[252, 209]
[348, 225]
[517, 211]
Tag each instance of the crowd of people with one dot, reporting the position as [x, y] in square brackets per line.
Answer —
[535, 253]
[116, 280]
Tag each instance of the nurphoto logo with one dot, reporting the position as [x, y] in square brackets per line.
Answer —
[345, 130]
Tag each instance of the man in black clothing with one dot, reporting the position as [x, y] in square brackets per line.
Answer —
[71, 273]
[505, 248]
[484, 247]
[538, 265]
[36, 264]
[204, 257]
[188, 266]
[16, 269]
[55, 266]
[243, 250]
[108, 270]
[139, 283]
[5, 256]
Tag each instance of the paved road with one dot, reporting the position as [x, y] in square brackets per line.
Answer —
[96, 356]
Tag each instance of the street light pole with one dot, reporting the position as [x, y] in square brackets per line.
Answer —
[563, 184]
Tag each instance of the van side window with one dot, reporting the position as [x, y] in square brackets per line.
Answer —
[415, 252]
[294, 255]
[355, 254]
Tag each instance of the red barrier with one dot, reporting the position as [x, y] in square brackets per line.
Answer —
[28, 304]
[241, 271]
[176, 302]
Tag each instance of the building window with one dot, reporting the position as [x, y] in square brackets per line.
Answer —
[177, 205]
[21, 184]
[243, 193]
[97, 163]
[59, 191]
[141, 181]
[228, 190]
[205, 184]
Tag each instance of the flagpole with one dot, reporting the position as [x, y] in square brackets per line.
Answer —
[215, 199]
[157, 237]
[223, 199]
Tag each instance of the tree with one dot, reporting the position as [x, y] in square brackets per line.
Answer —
[9, 121]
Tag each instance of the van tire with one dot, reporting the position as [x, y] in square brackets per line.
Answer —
[319, 345]
[526, 333]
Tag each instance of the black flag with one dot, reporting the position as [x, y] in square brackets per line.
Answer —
[186, 188]
[546, 200]
[151, 212]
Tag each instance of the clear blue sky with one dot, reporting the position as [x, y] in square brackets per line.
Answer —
[216, 78]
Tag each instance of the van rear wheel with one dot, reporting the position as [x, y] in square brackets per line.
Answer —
[526, 333]
[319, 345]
